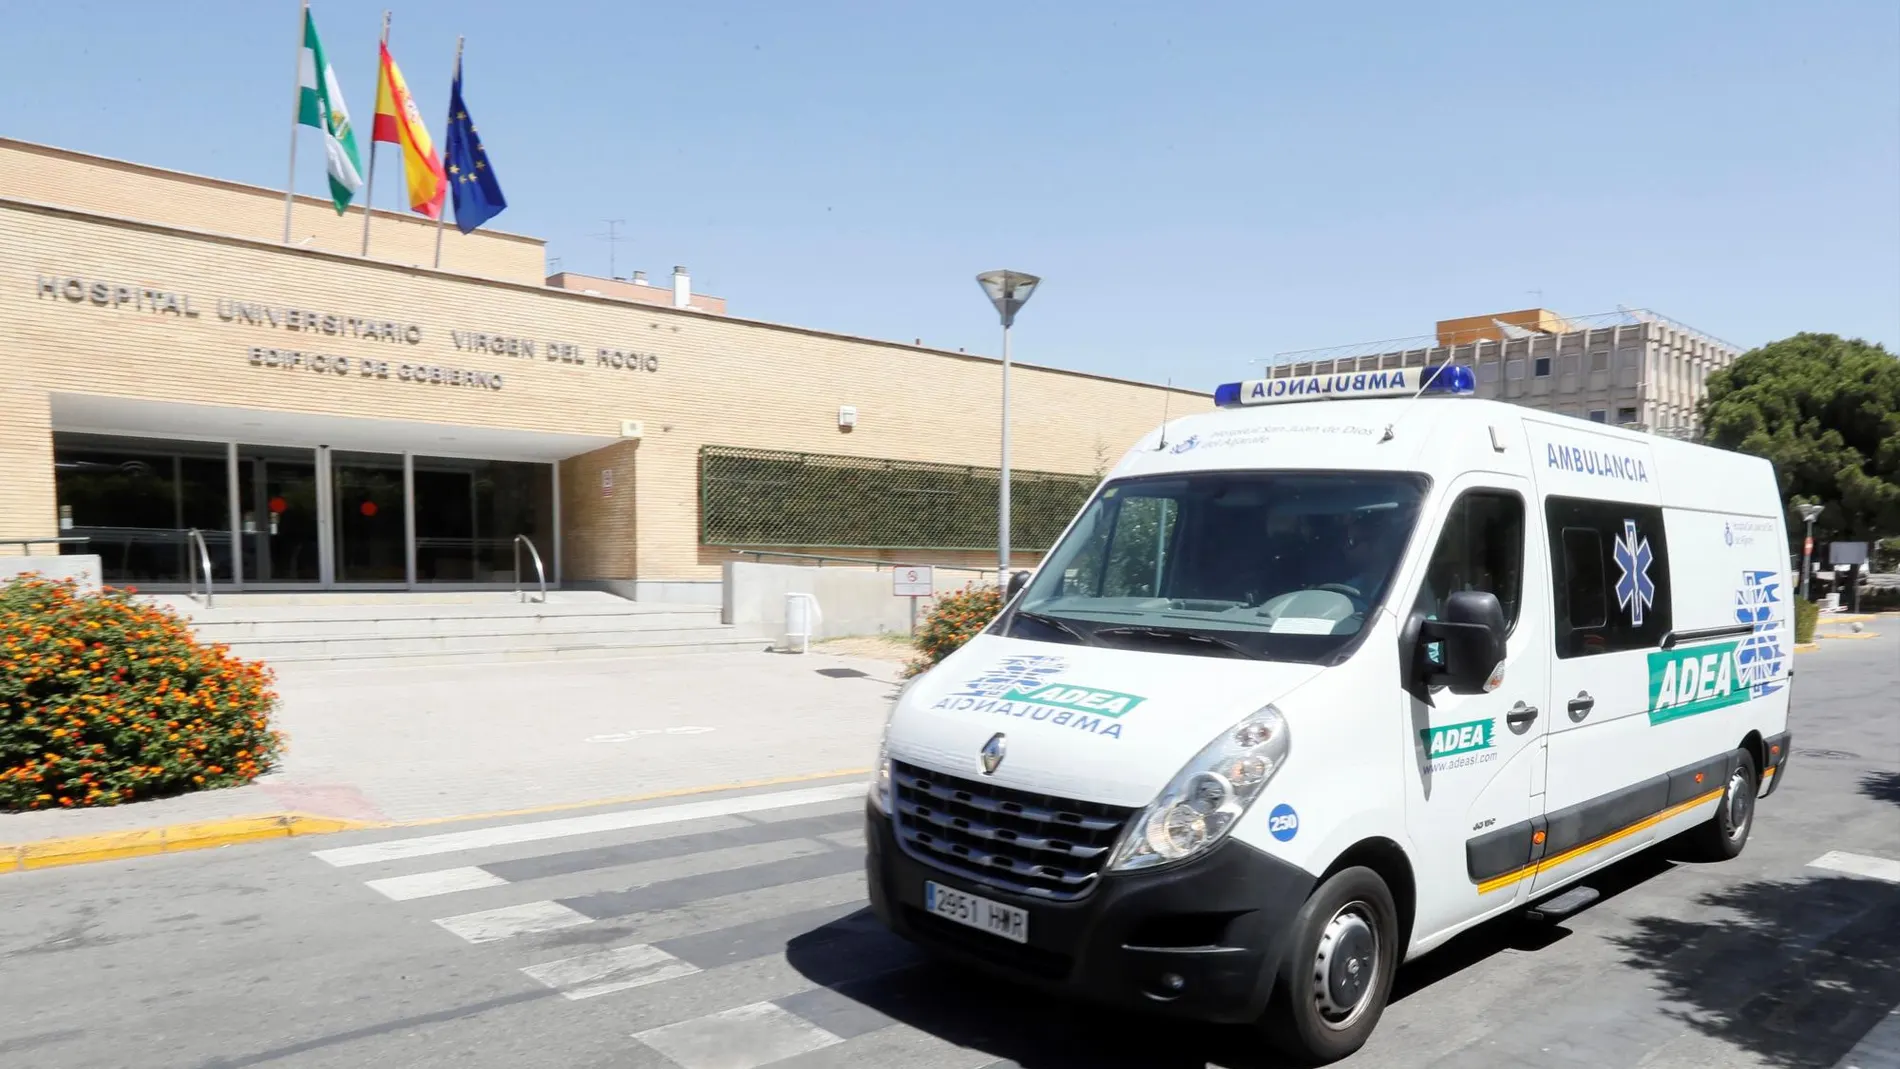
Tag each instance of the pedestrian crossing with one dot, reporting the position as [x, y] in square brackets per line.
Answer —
[729, 933]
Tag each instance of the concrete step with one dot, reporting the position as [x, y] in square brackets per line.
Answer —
[330, 598]
[271, 628]
[306, 647]
[421, 659]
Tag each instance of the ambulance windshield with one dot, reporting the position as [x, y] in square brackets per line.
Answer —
[1272, 565]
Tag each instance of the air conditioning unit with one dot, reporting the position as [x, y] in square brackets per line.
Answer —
[631, 428]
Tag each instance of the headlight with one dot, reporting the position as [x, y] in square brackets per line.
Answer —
[881, 772]
[881, 779]
[1208, 795]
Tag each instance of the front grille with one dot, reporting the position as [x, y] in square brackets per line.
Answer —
[1024, 842]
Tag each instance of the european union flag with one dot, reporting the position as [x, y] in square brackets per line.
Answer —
[477, 193]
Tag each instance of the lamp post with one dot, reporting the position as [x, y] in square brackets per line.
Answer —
[1809, 513]
[1008, 291]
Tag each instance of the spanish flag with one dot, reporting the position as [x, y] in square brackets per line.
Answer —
[398, 121]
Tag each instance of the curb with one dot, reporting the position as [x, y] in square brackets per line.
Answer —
[110, 846]
[1849, 635]
[1806, 647]
[204, 835]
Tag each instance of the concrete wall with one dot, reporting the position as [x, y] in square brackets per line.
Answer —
[851, 601]
[81, 566]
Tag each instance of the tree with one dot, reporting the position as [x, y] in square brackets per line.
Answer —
[1826, 411]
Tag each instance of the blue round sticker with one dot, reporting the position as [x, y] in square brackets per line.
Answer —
[1283, 822]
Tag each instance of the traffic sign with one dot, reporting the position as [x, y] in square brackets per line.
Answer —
[911, 581]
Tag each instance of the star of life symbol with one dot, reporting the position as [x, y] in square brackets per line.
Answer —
[1014, 674]
[1759, 658]
[1635, 591]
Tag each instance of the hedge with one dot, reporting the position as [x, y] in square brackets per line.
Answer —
[105, 700]
[1806, 614]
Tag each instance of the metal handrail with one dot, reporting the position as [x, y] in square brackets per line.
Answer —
[758, 554]
[195, 537]
[539, 571]
[26, 544]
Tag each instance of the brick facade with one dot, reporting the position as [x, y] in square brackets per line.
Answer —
[691, 378]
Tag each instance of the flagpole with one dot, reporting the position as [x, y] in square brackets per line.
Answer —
[296, 112]
[369, 183]
[442, 216]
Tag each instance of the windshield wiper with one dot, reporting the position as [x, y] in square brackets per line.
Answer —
[1052, 622]
[1175, 634]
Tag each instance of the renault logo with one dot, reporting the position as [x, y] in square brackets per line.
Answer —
[992, 753]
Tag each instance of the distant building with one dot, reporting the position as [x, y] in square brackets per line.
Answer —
[1631, 368]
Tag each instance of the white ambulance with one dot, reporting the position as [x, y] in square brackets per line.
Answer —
[1320, 679]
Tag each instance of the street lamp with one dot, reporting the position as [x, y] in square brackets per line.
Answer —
[1809, 513]
[1008, 291]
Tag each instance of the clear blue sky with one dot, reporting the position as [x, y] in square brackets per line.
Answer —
[1202, 185]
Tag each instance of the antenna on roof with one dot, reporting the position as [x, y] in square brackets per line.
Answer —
[1167, 395]
[1423, 380]
[613, 239]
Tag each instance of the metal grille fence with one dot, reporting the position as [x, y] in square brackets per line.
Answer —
[761, 497]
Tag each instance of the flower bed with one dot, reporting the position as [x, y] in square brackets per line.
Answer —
[954, 620]
[105, 700]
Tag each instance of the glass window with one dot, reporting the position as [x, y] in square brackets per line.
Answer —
[136, 498]
[1480, 548]
[1626, 415]
[1541, 367]
[1598, 415]
[1612, 576]
[1600, 360]
[468, 513]
[1281, 566]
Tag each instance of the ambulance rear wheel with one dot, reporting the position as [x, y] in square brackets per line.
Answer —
[1726, 833]
[1333, 982]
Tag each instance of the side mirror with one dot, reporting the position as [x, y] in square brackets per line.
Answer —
[1017, 580]
[1463, 651]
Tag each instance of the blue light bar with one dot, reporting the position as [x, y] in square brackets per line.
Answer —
[1447, 379]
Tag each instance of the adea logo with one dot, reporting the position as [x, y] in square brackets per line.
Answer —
[1450, 740]
[1696, 680]
[1081, 699]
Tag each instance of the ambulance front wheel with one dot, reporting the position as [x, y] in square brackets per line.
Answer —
[1333, 982]
[1725, 833]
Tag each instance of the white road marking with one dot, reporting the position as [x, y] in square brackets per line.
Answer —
[536, 831]
[609, 971]
[492, 924]
[742, 1038]
[439, 882]
[1878, 868]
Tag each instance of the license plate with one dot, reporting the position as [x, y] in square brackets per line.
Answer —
[979, 913]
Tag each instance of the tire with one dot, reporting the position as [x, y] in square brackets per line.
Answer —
[1323, 1008]
[1726, 833]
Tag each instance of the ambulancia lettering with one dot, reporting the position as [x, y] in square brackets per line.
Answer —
[1596, 462]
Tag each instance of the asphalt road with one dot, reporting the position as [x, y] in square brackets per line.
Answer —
[734, 935]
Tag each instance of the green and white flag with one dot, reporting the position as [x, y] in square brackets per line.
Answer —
[320, 104]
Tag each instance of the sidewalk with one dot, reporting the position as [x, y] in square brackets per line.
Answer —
[409, 744]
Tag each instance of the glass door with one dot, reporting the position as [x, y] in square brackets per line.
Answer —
[278, 524]
[371, 525]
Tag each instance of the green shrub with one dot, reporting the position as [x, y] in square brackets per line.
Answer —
[105, 700]
[1806, 613]
[953, 620]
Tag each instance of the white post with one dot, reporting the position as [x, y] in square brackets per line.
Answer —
[1002, 503]
[296, 111]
